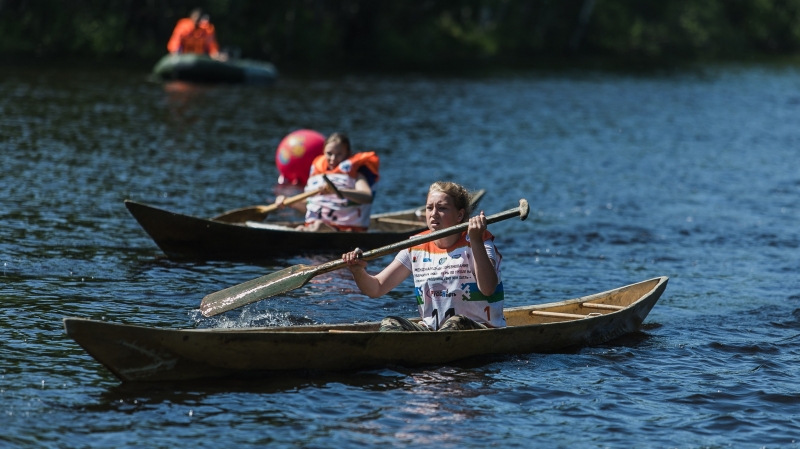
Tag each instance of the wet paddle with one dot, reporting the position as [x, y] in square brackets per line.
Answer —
[298, 275]
[259, 213]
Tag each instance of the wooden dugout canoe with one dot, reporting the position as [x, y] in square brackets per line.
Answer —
[186, 237]
[135, 353]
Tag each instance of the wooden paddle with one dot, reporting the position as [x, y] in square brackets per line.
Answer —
[332, 186]
[298, 275]
[259, 213]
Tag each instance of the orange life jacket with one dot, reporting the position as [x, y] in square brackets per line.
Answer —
[183, 27]
[366, 163]
[200, 40]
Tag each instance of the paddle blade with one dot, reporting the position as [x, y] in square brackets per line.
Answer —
[252, 213]
[256, 289]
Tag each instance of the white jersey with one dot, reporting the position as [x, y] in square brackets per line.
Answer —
[445, 284]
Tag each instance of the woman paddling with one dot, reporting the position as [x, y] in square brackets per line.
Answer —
[354, 175]
[457, 284]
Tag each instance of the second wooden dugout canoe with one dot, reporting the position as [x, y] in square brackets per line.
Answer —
[183, 236]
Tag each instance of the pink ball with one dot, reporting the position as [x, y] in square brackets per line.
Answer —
[295, 154]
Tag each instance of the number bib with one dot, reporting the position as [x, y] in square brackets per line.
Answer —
[445, 284]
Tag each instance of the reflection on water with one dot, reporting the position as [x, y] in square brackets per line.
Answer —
[687, 175]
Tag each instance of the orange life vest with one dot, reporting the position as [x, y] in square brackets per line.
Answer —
[182, 28]
[336, 212]
[200, 40]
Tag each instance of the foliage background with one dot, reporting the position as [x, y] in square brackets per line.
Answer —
[409, 33]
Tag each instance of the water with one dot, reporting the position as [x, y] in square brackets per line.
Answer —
[692, 175]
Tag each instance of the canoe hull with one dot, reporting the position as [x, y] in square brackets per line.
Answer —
[203, 69]
[185, 237]
[135, 353]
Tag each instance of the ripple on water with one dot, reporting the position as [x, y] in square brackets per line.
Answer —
[688, 184]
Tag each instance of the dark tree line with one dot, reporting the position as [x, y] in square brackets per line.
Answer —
[408, 33]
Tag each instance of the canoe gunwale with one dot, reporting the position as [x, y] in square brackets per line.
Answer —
[325, 328]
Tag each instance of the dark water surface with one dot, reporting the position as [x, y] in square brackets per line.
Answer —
[690, 175]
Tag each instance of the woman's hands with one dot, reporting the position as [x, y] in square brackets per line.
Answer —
[381, 283]
[279, 201]
[354, 261]
[477, 225]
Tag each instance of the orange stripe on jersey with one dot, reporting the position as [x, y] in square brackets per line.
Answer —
[433, 249]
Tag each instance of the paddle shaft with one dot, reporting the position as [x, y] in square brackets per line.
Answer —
[302, 196]
[258, 213]
[290, 200]
[332, 186]
[521, 211]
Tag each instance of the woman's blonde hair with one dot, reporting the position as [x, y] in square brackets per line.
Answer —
[457, 192]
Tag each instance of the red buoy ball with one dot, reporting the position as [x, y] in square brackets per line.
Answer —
[295, 154]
